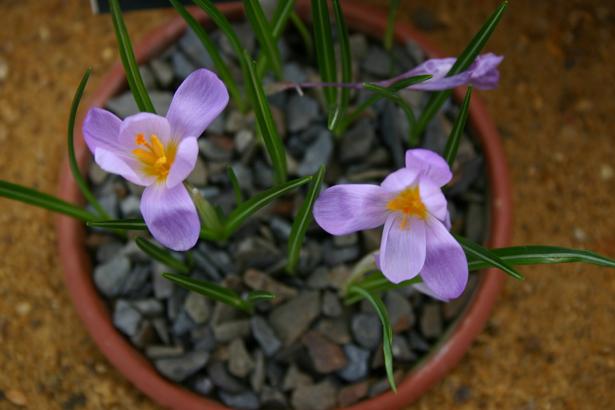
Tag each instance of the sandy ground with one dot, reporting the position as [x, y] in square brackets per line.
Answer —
[550, 342]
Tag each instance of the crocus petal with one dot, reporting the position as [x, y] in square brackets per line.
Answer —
[430, 164]
[101, 129]
[433, 198]
[399, 180]
[116, 163]
[170, 215]
[446, 268]
[347, 208]
[144, 123]
[423, 288]
[196, 103]
[402, 250]
[185, 160]
[444, 83]
[485, 74]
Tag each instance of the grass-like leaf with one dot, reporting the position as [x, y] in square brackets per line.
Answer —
[346, 62]
[263, 32]
[540, 255]
[465, 59]
[129, 61]
[135, 224]
[235, 184]
[161, 255]
[452, 144]
[259, 296]
[303, 220]
[72, 159]
[377, 283]
[303, 32]
[222, 68]
[395, 98]
[278, 23]
[479, 252]
[258, 201]
[33, 197]
[390, 29]
[266, 124]
[387, 330]
[325, 54]
[210, 220]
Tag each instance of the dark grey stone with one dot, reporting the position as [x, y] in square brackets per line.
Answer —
[183, 324]
[162, 330]
[401, 349]
[126, 318]
[293, 318]
[431, 321]
[358, 363]
[335, 330]
[400, 311]
[294, 73]
[197, 307]
[300, 112]
[246, 39]
[265, 336]
[280, 228]
[110, 277]
[346, 240]
[474, 222]
[331, 305]
[227, 331]
[180, 368]
[295, 378]
[195, 51]
[366, 329]
[319, 279]
[357, 142]
[317, 154]
[203, 338]
[159, 352]
[147, 76]
[213, 151]
[203, 385]
[257, 379]
[417, 343]
[243, 140]
[124, 105]
[163, 72]
[108, 251]
[222, 379]
[377, 62]
[335, 256]
[240, 401]
[130, 207]
[394, 130]
[272, 399]
[256, 252]
[319, 396]
[137, 283]
[198, 176]
[148, 307]
[240, 362]
[244, 176]
[163, 288]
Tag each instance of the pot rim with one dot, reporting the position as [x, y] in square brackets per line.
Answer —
[139, 370]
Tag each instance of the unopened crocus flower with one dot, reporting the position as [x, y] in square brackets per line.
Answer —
[411, 206]
[482, 74]
[159, 153]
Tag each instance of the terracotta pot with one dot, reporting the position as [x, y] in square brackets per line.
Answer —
[136, 368]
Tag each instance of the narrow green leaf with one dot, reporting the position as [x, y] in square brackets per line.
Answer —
[390, 30]
[258, 201]
[377, 283]
[302, 221]
[343, 93]
[465, 59]
[303, 32]
[210, 220]
[258, 296]
[479, 252]
[129, 61]
[33, 197]
[222, 68]
[392, 96]
[263, 32]
[121, 224]
[266, 124]
[161, 255]
[325, 55]
[210, 289]
[72, 159]
[539, 255]
[452, 144]
[279, 21]
[387, 331]
[235, 184]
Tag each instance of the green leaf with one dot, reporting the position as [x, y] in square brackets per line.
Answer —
[303, 32]
[478, 252]
[42, 200]
[390, 29]
[258, 296]
[539, 254]
[210, 220]
[161, 255]
[325, 55]
[72, 159]
[387, 331]
[258, 201]
[135, 224]
[302, 221]
[222, 68]
[211, 290]
[465, 59]
[392, 96]
[129, 61]
[266, 124]
[377, 283]
[343, 93]
[452, 144]
[279, 20]
[235, 184]
[263, 32]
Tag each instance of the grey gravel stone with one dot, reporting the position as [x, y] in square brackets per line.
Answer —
[108, 251]
[401, 349]
[265, 336]
[240, 362]
[163, 288]
[198, 176]
[377, 62]
[213, 151]
[222, 379]
[293, 318]
[96, 174]
[124, 105]
[159, 352]
[163, 72]
[182, 324]
[272, 399]
[319, 396]
[227, 331]
[431, 321]
[192, 46]
[346, 240]
[203, 385]
[358, 363]
[325, 356]
[180, 368]
[203, 338]
[257, 379]
[243, 140]
[110, 277]
[335, 330]
[197, 307]
[366, 329]
[317, 154]
[148, 307]
[335, 256]
[295, 378]
[240, 401]
[331, 305]
[417, 343]
[300, 112]
[474, 222]
[148, 77]
[357, 142]
[400, 311]
[126, 318]
[130, 207]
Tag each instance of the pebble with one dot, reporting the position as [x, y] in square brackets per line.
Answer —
[241, 401]
[203, 385]
[293, 318]
[163, 72]
[335, 256]
[222, 379]
[325, 356]
[401, 349]
[203, 337]
[317, 154]
[357, 142]
[126, 317]
[256, 252]
[163, 288]
[195, 51]
[351, 394]
[130, 207]
[606, 172]
[264, 335]
[214, 150]
[96, 174]
[280, 228]
[243, 140]
[295, 378]
[319, 396]
[159, 352]
[4, 69]
[23, 308]
[148, 77]
[358, 46]
[366, 329]
[377, 62]
[400, 311]
[474, 226]
[331, 305]
[258, 280]
[294, 73]
[272, 399]
[300, 112]
[335, 330]
[418, 343]
[227, 331]
[240, 362]
[197, 307]
[346, 240]
[431, 321]
[358, 363]
[124, 105]
[257, 379]
[180, 368]
[198, 176]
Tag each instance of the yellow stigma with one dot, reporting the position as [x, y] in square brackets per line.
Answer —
[155, 158]
[409, 203]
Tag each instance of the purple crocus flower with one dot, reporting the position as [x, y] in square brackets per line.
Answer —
[159, 153]
[413, 209]
[482, 74]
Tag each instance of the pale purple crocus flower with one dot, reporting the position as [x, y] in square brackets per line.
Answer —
[159, 153]
[482, 74]
[411, 206]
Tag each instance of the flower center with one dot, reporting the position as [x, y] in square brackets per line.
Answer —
[409, 203]
[155, 158]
